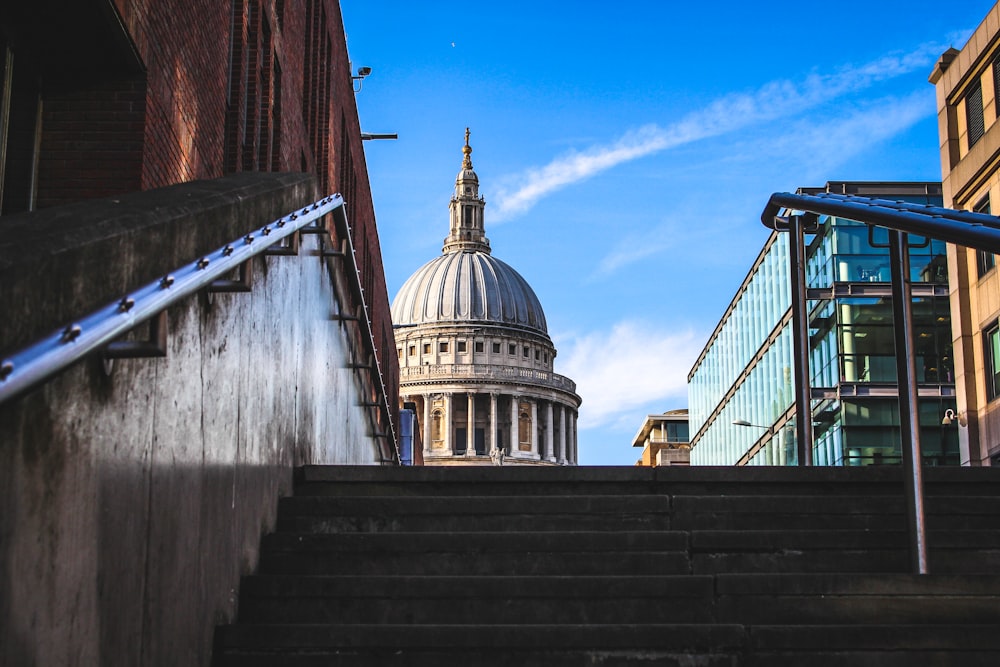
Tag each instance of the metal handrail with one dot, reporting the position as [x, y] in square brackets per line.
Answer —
[343, 231]
[976, 230]
[38, 362]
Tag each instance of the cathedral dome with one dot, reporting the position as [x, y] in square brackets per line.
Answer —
[473, 287]
[476, 363]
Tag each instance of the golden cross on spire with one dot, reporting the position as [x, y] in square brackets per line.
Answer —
[467, 150]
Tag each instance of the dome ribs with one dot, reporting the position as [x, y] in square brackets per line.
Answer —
[468, 286]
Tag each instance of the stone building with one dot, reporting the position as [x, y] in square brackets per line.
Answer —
[664, 439]
[475, 355]
[966, 81]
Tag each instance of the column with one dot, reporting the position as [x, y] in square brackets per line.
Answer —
[534, 428]
[446, 423]
[550, 452]
[513, 427]
[427, 425]
[470, 428]
[563, 454]
[575, 458]
[493, 422]
[558, 453]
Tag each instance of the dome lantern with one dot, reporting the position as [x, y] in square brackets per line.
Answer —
[467, 233]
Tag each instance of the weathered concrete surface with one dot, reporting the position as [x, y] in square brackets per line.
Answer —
[131, 504]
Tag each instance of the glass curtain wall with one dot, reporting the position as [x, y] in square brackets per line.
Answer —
[746, 372]
[846, 251]
[752, 317]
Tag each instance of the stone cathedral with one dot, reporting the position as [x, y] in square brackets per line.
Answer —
[475, 354]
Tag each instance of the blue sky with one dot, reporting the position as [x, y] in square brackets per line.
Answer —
[626, 150]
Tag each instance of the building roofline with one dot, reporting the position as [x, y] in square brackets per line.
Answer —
[680, 415]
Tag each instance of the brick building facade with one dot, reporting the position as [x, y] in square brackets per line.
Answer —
[103, 97]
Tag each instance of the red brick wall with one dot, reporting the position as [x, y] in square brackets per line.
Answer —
[205, 117]
[92, 141]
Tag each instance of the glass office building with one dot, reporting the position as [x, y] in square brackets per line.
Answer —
[741, 389]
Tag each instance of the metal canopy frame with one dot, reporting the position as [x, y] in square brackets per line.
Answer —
[975, 230]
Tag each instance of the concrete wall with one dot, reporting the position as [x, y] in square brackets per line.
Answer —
[141, 94]
[131, 504]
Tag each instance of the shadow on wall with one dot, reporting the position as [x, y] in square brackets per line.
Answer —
[133, 502]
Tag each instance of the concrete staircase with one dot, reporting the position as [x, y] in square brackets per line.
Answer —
[622, 566]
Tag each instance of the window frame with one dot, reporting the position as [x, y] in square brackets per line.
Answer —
[974, 132]
[985, 261]
[991, 360]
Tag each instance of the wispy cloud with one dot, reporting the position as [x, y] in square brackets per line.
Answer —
[695, 229]
[776, 99]
[811, 149]
[839, 139]
[631, 365]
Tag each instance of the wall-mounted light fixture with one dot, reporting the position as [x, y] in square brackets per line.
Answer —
[360, 78]
[950, 416]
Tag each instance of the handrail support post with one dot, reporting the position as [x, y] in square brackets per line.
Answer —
[797, 226]
[909, 409]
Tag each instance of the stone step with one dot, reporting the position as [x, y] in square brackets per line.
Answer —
[748, 599]
[548, 563]
[873, 645]
[654, 512]
[496, 553]
[791, 519]
[592, 480]
[486, 645]
[474, 513]
[570, 566]
[735, 551]
[465, 600]
[632, 644]
[821, 505]
[797, 599]
[479, 657]
[823, 539]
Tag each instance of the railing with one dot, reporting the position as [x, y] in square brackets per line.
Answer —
[976, 230]
[97, 332]
[488, 372]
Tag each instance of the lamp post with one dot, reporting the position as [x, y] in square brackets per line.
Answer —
[744, 422]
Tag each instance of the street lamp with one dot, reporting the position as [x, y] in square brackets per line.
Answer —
[744, 422]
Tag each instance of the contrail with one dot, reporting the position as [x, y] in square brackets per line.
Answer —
[776, 99]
